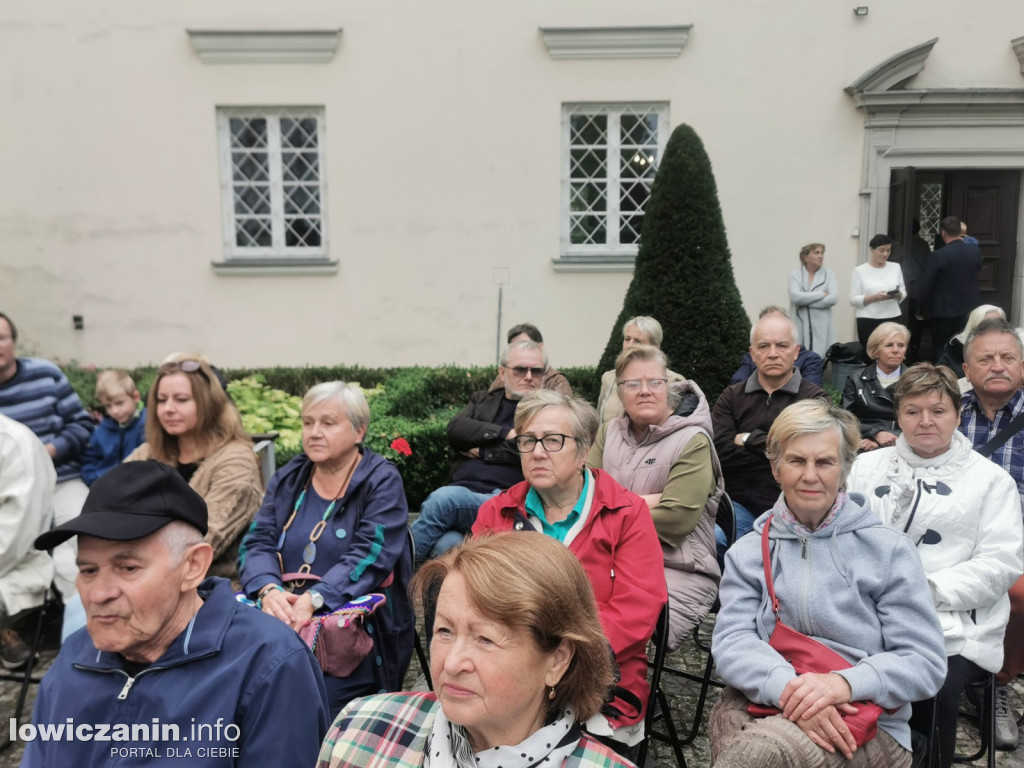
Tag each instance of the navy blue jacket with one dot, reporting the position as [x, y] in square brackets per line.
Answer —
[949, 287]
[809, 363]
[110, 444]
[366, 540]
[233, 666]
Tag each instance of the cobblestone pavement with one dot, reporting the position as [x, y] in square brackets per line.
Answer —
[682, 697]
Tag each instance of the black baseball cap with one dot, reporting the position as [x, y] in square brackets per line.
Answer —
[132, 501]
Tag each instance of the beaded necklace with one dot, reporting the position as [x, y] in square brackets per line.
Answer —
[309, 551]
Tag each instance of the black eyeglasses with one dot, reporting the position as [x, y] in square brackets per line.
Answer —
[552, 443]
[520, 371]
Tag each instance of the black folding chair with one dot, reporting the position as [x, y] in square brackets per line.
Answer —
[421, 654]
[660, 640]
[52, 605]
[726, 519]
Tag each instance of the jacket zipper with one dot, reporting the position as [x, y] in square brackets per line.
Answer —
[913, 507]
[128, 683]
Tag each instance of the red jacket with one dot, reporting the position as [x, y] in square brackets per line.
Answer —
[619, 550]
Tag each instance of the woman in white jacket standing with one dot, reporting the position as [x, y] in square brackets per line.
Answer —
[812, 294]
[964, 514]
[876, 289]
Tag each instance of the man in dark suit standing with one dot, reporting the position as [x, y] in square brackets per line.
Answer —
[949, 288]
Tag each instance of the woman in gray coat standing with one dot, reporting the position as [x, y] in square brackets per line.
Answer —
[812, 294]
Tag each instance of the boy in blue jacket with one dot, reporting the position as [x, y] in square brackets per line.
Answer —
[121, 432]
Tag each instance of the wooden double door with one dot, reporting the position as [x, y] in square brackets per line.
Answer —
[988, 200]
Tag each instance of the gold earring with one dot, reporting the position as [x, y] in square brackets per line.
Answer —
[551, 693]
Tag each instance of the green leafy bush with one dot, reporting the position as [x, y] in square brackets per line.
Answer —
[265, 409]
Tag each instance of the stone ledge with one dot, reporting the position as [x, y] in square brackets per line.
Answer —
[237, 46]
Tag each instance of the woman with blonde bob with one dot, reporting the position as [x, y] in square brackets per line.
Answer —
[192, 426]
[840, 577]
[868, 393]
[518, 662]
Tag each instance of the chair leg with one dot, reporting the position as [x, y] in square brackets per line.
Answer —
[986, 727]
[422, 657]
[701, 701]
[670, 726]
[19, 710]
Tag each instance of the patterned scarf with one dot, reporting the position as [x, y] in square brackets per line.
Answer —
[448, 745]
[782, 510]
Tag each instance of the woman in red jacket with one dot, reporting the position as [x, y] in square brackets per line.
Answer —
[610, 531]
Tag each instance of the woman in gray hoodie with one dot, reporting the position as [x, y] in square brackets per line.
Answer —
[844, 579]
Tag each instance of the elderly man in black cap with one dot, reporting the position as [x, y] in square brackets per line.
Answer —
[171, 664]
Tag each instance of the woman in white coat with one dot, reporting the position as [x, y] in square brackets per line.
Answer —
[964, 514]
[812, 294]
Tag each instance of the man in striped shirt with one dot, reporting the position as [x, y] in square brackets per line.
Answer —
[992, 362]
[36, 393]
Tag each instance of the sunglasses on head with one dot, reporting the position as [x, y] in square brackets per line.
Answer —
[185, 366]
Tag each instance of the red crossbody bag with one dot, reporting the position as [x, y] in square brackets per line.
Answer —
[808, 655]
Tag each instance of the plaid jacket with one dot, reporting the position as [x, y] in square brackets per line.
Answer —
[391, 729]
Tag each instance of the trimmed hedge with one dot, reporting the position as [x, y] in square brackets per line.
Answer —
[411, 403]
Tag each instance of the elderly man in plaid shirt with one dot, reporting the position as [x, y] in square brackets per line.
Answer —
[992, 418]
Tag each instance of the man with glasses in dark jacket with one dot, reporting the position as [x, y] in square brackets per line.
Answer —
[486, 461]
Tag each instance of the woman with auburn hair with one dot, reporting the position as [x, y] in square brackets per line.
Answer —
[518, 661]
[813, 291]
[820, 563]
[192, 426]
[868, 393]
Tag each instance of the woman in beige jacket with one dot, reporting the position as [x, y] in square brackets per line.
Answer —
[192, 426]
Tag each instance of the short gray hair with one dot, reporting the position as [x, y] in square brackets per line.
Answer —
[526, 346]
[351, 398]
[812, 417]
[644, 352]
[583, 418]
[992, 325]
[178, 536]
[650, 327]
[771, 309]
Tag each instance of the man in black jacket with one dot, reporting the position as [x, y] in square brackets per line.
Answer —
[949, 288]
[487, 461]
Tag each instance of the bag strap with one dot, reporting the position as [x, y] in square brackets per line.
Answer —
[767, 558]
[1004, 434]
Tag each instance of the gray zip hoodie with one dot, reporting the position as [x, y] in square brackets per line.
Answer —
[856, 586]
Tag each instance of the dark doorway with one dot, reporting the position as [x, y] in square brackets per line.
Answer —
[986, 200]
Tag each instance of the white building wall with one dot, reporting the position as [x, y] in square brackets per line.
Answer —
[442, 147]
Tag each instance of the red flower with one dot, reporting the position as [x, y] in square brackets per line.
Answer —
[401, 445]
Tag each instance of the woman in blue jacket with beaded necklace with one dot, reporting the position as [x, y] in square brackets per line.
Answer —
[337, 511]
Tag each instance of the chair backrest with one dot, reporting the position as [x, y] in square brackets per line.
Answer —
[660, 640]
[726, 519]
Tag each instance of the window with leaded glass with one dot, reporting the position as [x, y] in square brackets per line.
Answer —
[272, 162]
[610, 155]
